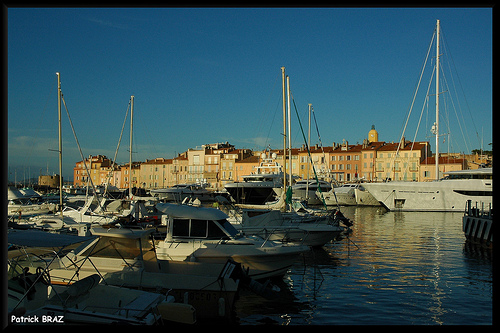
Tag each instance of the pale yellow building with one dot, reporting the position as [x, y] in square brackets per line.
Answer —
[446, 163]
[155, 173]
[401, 161]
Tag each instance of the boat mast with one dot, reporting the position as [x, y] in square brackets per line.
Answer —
[60, 143]
[289, 132]
[437, 100]
[130, 148]
[308, 147]
[284, 128]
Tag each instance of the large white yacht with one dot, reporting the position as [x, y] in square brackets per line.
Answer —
[258, 188]
[448, 194]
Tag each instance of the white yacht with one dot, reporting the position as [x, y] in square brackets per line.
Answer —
[308, 190]
[180, 192]
[447, 194]
[258, 188]
[200, 234]
[342, 196]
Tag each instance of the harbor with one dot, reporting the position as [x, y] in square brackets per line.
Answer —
[388, 268]
[396, 268]
[373, 233]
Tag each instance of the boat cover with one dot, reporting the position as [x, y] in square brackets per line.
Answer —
[37, 238]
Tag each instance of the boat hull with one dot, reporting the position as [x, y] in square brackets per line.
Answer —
[261, 262]
[445, 195]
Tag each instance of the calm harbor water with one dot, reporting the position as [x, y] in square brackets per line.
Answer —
[396, 268]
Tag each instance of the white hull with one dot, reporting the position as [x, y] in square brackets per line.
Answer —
[262, 262]
[365, 198]
[443, 195]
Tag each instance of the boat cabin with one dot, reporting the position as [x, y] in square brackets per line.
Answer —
[189, 222]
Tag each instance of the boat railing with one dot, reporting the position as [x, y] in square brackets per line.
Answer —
[267, 232]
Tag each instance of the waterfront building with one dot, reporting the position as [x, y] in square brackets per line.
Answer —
[345, 162]
[368, 157]
[178, 170]
[401, 160]
[320, 157]
[220, 163]
[99, 168]
[248, 165]
[228, 165]
[155, 173]
[213, 155]
[446, 163]
[130, 177]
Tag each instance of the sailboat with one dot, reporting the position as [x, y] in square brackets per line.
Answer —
[67, 217]
[279, 220]
[447, 194]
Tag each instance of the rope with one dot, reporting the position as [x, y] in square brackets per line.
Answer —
[81, 154]
[309, 153]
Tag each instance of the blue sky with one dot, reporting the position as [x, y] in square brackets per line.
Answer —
[213, 75]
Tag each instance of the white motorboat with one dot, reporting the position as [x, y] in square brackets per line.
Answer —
[308, 230]
[126, 258]
[33, 298]
[364, 197]
[342, 196]
[71, 218]
[307, 190]
[27, 203]
[205, 235]
[447, 194]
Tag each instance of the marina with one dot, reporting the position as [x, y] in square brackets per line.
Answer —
[396, 268]
[372, 233]
[393, 268]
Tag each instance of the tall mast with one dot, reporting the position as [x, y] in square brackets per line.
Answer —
[130, 156]
[60, 142]
[289, 132]
[437, 100]
[284, 128]
[308, 147]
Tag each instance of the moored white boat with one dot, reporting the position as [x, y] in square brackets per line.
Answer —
[205, 235]
[447, 194]
[33, 295]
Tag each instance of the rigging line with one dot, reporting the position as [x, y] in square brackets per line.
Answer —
[113, 163]
[81, 154]
[309, 153]
[426, 103]
[414, 97]
[455, 108]
[319, 138]
[461, 87]
[417, 86]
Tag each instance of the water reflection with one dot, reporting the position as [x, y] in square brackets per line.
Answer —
[395, 268]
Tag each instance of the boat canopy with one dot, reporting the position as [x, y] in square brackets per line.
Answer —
[37, 238]
[121, 233]
[192, 212]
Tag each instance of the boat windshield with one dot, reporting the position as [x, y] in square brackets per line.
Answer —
[125, 248]
[228, 227]
[469, 176]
